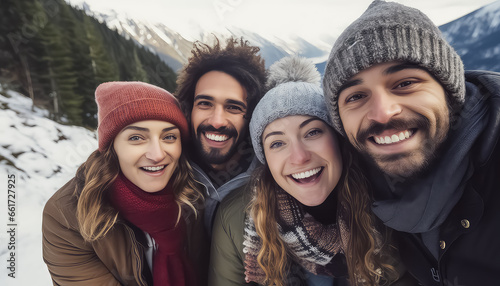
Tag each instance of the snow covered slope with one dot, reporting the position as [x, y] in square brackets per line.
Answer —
[42, 156]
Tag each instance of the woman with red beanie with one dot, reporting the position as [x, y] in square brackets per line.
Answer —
[129, 216]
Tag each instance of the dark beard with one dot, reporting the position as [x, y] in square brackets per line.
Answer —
[415, 174]
[215, 156]
[428, 150]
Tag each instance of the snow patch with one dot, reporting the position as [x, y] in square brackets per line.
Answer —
[42, 155]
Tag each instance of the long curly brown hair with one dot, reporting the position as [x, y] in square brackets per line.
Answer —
[369, 254]
[237, 59]
[95, 214]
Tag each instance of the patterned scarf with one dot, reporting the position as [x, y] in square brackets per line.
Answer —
[156, 214]
[312, 244]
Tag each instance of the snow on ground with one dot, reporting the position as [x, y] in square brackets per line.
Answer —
[42, 155]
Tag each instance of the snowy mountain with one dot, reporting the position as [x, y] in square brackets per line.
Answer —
[175, 48]
[41, 156]
[476, 37]
[171, 47]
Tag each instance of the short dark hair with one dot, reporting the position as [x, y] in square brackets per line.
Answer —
[238, 59]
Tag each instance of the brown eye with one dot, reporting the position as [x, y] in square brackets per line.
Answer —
[204, 104]
[354, 97]
[404, 83]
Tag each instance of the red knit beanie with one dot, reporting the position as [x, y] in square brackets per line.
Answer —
[123, 103]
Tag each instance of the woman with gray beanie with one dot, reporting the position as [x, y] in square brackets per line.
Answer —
[304, 219]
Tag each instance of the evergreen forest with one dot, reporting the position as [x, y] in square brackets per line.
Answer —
[58, 55]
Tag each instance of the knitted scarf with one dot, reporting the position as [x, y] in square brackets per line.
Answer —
[156, 214]
[312, 244]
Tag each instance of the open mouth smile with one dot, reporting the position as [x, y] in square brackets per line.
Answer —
[153, 168]
[394, 138]
[216, 137]
[307, 176]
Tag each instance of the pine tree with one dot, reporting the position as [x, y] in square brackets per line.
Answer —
[58, 56]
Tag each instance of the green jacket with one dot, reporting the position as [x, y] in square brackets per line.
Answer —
[227, 267]
[226, 256]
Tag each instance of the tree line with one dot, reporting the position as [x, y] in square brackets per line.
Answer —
[58, 55]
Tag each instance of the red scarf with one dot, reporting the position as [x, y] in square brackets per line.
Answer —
[156, 214]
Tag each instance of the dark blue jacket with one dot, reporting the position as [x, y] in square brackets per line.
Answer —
[469, 253]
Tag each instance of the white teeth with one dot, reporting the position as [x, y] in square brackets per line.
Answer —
[218, 138]
[306, 174]
[403, 135]
[153, 169]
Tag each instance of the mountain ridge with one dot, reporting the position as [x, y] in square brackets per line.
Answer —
[477, 31]
[150, 35]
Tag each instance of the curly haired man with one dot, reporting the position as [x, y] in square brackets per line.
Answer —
[218, 89]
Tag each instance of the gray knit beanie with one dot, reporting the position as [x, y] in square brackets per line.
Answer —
[294, 85]
[388, 32]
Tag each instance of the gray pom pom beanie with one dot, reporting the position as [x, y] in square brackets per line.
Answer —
[295, 90]
[388, 32]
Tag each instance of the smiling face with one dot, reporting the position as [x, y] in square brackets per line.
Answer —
[148, 153]
[303, 156]
[395, 114]
[217, 117]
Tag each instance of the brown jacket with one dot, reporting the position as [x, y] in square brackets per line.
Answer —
[116, 259]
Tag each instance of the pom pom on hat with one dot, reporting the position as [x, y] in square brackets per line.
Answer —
[123, 103]
[294, 90]
[292, 69]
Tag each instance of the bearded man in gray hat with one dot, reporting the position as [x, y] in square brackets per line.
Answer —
[429, 133]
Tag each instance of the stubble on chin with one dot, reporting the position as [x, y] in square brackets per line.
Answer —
[406, 165]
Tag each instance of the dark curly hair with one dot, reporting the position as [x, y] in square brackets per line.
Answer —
[238, 59]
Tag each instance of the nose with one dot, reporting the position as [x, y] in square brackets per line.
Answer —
[299, 153]
[218, 118]
[155, 151]
[384, 106]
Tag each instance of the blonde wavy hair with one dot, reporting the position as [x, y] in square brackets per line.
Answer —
[368, 248]
[95, 214]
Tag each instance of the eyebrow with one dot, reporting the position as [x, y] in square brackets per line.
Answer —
[307, 121]
[403, 66]
[202, 96]
[273, 133]
[137, 128]
[236, 102]
[300, 126]
[348, 84]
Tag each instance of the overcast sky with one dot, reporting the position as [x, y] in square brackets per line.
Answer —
[311, 18]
